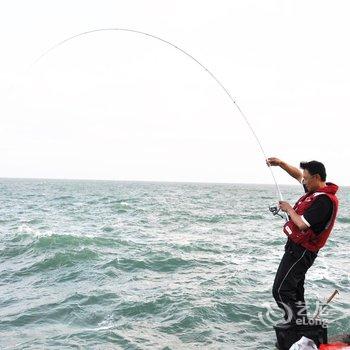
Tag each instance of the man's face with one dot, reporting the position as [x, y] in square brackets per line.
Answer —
[310, 181]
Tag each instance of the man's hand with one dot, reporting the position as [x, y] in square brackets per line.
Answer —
[291, 170]
[296, 218]
[273, 161]
[285, 206]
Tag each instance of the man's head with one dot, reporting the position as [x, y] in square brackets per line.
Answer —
[314, 175]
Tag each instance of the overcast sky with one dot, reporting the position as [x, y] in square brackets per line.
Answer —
[121, 106]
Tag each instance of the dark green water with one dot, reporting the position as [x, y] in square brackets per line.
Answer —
[118, 265]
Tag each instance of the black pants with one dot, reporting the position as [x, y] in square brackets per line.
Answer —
[288, 287]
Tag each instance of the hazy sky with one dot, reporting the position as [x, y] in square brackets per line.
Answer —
[121, 106]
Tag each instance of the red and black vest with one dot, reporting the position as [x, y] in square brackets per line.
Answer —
[308, 238]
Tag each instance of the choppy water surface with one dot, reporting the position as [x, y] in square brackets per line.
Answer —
[126, 265]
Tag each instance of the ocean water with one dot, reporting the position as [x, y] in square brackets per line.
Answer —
[137, 265]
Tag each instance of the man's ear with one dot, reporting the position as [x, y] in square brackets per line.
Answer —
[318, 177]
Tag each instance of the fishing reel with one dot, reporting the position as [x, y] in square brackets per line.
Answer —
[275, 211]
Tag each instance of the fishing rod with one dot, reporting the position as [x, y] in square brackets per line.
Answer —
[275, 210]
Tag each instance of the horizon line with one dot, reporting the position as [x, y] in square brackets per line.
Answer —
[147, 181]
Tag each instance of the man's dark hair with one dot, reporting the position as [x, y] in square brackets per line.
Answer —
[314, 167]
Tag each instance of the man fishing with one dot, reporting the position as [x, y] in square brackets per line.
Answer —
[309, 225]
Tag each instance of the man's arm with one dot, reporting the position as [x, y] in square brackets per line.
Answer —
[316, 216]
[291, 170]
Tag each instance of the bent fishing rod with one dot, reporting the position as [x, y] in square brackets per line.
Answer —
[274, 210]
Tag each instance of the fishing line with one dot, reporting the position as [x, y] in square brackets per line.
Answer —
[188, 55]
